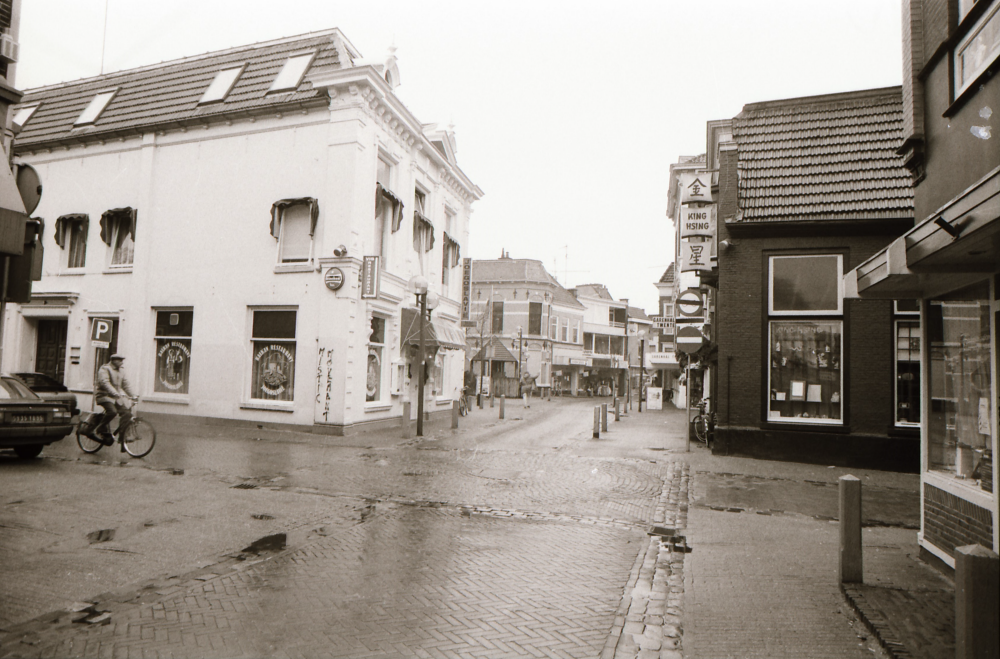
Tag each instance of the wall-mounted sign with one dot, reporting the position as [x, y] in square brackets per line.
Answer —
[334, 279]
[695, 257]
[371, 275]
[697, 221]
[689, 303]
[696, 188]
[100, 336]
[466, 291]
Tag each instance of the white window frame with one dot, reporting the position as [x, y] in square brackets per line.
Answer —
[282, 225]
[156, 356]
[839, 311]
[767, 357]
[113, 247]
[963, 82]
[267, 403]
[905, 317]
[383, 388]
[68, 235]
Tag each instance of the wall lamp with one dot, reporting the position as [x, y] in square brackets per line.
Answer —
[727, 243]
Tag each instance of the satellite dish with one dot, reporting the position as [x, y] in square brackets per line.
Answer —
[29, 184]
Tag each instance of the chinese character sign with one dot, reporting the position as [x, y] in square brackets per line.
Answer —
[695, 256]
[696, 188]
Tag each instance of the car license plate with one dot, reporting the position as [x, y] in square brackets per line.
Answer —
[28, 418]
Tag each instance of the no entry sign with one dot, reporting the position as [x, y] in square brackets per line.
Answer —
[690, 339]
[689, 303]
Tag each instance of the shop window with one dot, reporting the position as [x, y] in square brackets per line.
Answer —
[907, 368]
[273, 345]
[804, 374]
[376, 348]
[498, 317]
[173, 351]
[534, 318]
[958, 336]
[602, 344]
[617, 345]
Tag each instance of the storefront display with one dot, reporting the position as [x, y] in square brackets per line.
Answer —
[805, 371]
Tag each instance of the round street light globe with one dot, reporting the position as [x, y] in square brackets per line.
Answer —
[432, 300]
[417, 284]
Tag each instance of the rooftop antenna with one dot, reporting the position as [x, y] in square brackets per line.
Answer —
[104, 36]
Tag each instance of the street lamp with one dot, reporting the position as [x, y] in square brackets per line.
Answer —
[425, 300]
[642, 364]
[520, 344]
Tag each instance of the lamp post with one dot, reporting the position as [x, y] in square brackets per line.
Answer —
[425, 300]
[520, 345]
[642, 364]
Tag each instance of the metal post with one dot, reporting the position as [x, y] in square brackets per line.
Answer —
[423, 368]
[642, 369]
[405, 420]
[617, 415]
[502, 399]
[597, 422]
[687, 405]
[850, 566]
[604, 417]
[976, 617]
[454, 414]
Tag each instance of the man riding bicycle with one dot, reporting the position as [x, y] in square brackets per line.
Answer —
[112, 391]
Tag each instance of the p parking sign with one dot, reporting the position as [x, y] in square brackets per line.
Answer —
[100, 336]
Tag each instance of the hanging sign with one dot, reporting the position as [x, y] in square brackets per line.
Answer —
[689, 339]
[334, 279]
[697, 221]
[466, 290]
[695, 257]
[370, 278]
[690, 303]
[696, 188]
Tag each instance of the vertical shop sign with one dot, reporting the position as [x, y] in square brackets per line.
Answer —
[698, 221]
[370, 276]
[466, 292]
[696, 188]
[695, 257]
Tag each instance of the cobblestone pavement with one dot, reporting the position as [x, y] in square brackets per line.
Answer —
[422, 551]
[910, 624]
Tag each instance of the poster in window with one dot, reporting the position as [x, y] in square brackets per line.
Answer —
[798, 391]
[814, 394]
[273, 371]
[173, 366]
[372, 392]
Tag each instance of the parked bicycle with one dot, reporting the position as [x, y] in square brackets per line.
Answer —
[137, 437]
[463, 405]
[704, 423]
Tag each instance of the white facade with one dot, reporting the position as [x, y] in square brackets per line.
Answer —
[204, 250]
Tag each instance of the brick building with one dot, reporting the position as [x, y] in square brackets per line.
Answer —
[807, 189]
[950, 261]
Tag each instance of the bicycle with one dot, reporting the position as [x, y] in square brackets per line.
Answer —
[137, 438]
[704, 423]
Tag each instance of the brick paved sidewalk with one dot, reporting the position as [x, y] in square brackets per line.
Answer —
[909, 624]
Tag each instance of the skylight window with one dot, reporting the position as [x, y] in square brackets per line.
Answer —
[23, 114]
[96, 107]
[292, 73]
[224, 82]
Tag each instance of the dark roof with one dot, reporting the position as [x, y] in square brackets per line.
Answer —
[668, 275]
[167, 94]
[635, 313]
[494, 350]
[521, 271]
[595, 290]
[827, 157]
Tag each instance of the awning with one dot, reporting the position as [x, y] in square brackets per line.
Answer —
[62, 220]
[421, 225]
[494, 351]
[279, 206]
[956, 246]
[437, 334]
[126, 214]
[383, 195]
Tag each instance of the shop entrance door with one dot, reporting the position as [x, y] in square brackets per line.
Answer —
[50, 350]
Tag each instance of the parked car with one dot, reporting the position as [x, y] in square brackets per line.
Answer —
[28, 422]
[49, 388]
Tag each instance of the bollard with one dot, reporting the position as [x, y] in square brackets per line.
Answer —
[976, 601]
[502, 399]
[491, 401]
[597, 422]
[850, 567]
[405, 421]
[604, 417]
[468, 404]
[617, 414]
[454, 414]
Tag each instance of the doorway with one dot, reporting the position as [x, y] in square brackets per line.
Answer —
[50, 350]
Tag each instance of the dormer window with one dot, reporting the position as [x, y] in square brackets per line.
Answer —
[223, 83]
[23, 114]
[292, 73]
[93, 111]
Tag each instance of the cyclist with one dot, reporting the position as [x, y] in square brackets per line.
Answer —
[113, 390]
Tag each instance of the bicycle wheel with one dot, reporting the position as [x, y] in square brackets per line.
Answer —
[701, 428]
[139, 438]
[87, 445]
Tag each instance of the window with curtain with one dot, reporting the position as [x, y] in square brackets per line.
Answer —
[273, 357]
[805, 344]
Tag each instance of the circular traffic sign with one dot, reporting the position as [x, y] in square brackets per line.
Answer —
[334, 278]
[690, 339]
[689, 303]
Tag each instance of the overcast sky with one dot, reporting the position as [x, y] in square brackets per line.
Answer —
[567, 114]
